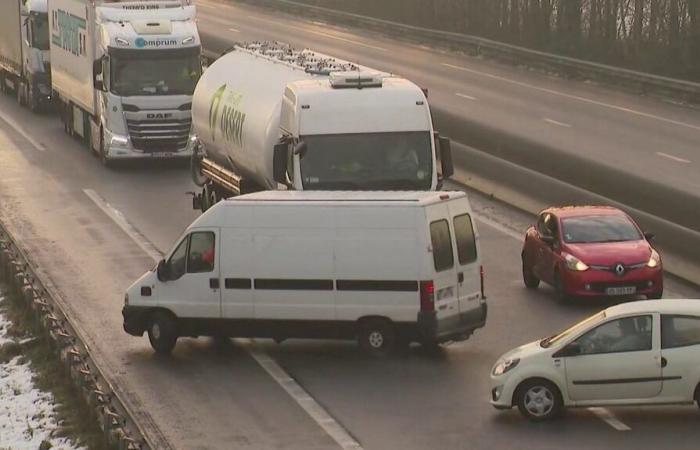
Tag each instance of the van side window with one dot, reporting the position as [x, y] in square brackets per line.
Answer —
[201, 253]
[442, 245]
[466, 241]
[178, 260]
[679, 331]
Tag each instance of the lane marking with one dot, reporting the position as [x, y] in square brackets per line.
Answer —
[608, 417]
[121, 221]
[575, 97]
[317, 412]
[557, 123]
[234, 30]
[320, 33]
[20, 130]
[674, 158]
[468, 97]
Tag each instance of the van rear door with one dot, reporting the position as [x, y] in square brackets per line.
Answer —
[467, 258]
[444, 275]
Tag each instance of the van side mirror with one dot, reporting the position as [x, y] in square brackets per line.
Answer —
[279, 162]
[163, 271]
[300, 149]
[446, 157]
[649, 236]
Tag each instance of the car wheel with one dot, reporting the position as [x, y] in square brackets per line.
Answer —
[655, 295]
[538, 400]
[560, 289]
[531, 281]
[162, 332]
[377, 337]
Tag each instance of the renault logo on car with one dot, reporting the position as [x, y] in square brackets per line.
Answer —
[619, 269]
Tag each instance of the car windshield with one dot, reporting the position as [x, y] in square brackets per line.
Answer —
[154, 72]
[592, 229]
[368, 161]
[574, 329]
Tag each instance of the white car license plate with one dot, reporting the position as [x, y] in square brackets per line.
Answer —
[624, 290]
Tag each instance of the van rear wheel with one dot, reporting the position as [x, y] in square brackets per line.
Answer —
[377, 337]
[162, 333]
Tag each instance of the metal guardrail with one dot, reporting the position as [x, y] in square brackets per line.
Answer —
[120, 429]
[648, 83]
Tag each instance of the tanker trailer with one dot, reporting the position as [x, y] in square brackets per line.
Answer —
[267, 116]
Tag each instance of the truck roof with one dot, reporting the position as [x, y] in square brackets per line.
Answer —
[384, 198]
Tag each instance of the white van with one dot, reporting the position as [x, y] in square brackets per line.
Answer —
[386, 268]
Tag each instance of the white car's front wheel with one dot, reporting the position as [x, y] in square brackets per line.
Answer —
[538, 400]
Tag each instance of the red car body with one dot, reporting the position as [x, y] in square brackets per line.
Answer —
[621, 268]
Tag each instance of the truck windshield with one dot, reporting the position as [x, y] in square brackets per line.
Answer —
[374, 161]
[40, 31]
[154, 72]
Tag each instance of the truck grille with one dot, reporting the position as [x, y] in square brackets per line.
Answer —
[159, 135]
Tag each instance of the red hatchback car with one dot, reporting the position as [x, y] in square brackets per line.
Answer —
[590, 251]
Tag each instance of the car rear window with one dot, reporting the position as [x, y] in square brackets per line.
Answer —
[442, 245]
[679, 331]
[466, 241]
[591, 229]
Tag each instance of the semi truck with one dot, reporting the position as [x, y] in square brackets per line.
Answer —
[267, 116]
[24, 52]
[123, 74]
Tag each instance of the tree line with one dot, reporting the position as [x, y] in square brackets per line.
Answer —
[658, 36]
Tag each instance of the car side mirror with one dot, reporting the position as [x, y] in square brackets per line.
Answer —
[279, 162]
[549, 240]
[163, 271]
[300, 149]
[649, 236]
[446, 157]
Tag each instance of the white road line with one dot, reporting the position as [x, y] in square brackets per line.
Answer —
[20, 130]
[234, 30]
[575, 97]
[303, 399]
[608, 417]
[124, 224]
[468, 97]
[557, 123]
[281, 377]
[320, 33]
[674, 158]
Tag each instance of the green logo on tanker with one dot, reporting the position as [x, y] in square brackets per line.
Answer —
[225, 116]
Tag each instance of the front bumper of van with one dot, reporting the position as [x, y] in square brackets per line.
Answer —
[456, 328]
[135, 319]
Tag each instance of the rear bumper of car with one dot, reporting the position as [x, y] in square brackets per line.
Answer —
[455, 328]
[596, 282]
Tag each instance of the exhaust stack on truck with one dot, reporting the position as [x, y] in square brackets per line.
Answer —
[268, 116]
[124, 74]
[24, 51]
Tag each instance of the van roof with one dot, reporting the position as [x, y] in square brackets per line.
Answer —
[419, 198]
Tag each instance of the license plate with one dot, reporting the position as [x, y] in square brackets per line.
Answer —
[161, 154]
[625, 290]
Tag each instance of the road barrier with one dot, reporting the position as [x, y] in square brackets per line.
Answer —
[478, 46]
[120, 429]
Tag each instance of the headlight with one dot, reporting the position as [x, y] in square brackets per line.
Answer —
[573, 263]
[126, 299]
[654, 259]
[119, 141]
[504, 366]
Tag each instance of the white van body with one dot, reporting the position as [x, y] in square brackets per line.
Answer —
[312, 264]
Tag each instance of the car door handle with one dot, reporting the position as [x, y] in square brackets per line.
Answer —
[214, 283]
[664, 362]
[460, 277]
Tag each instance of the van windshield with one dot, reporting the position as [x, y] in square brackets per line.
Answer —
[368, 161]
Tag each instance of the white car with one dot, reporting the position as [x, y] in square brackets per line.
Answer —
[639, 353]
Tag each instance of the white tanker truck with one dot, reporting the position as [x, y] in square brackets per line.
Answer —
[267, 116]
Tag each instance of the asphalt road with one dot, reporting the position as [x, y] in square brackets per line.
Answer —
[66, 209]
[640, 151]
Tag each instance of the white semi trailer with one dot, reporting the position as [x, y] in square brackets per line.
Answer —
[24, 51]
[124, 74]
[267, 116]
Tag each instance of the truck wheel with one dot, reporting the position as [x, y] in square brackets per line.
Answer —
[19, 92]
[162, 333]
[196, 169]
[31, 99]
[103, 152]
[377, 337]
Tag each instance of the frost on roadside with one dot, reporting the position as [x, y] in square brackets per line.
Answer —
[26, 413]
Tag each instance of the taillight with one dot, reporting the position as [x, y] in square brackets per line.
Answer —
[481, 277]
[427, 296]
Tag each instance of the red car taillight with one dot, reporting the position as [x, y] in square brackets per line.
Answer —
[427, 296]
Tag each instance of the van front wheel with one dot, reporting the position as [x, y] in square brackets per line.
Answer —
[377, 337]
[162, 333]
